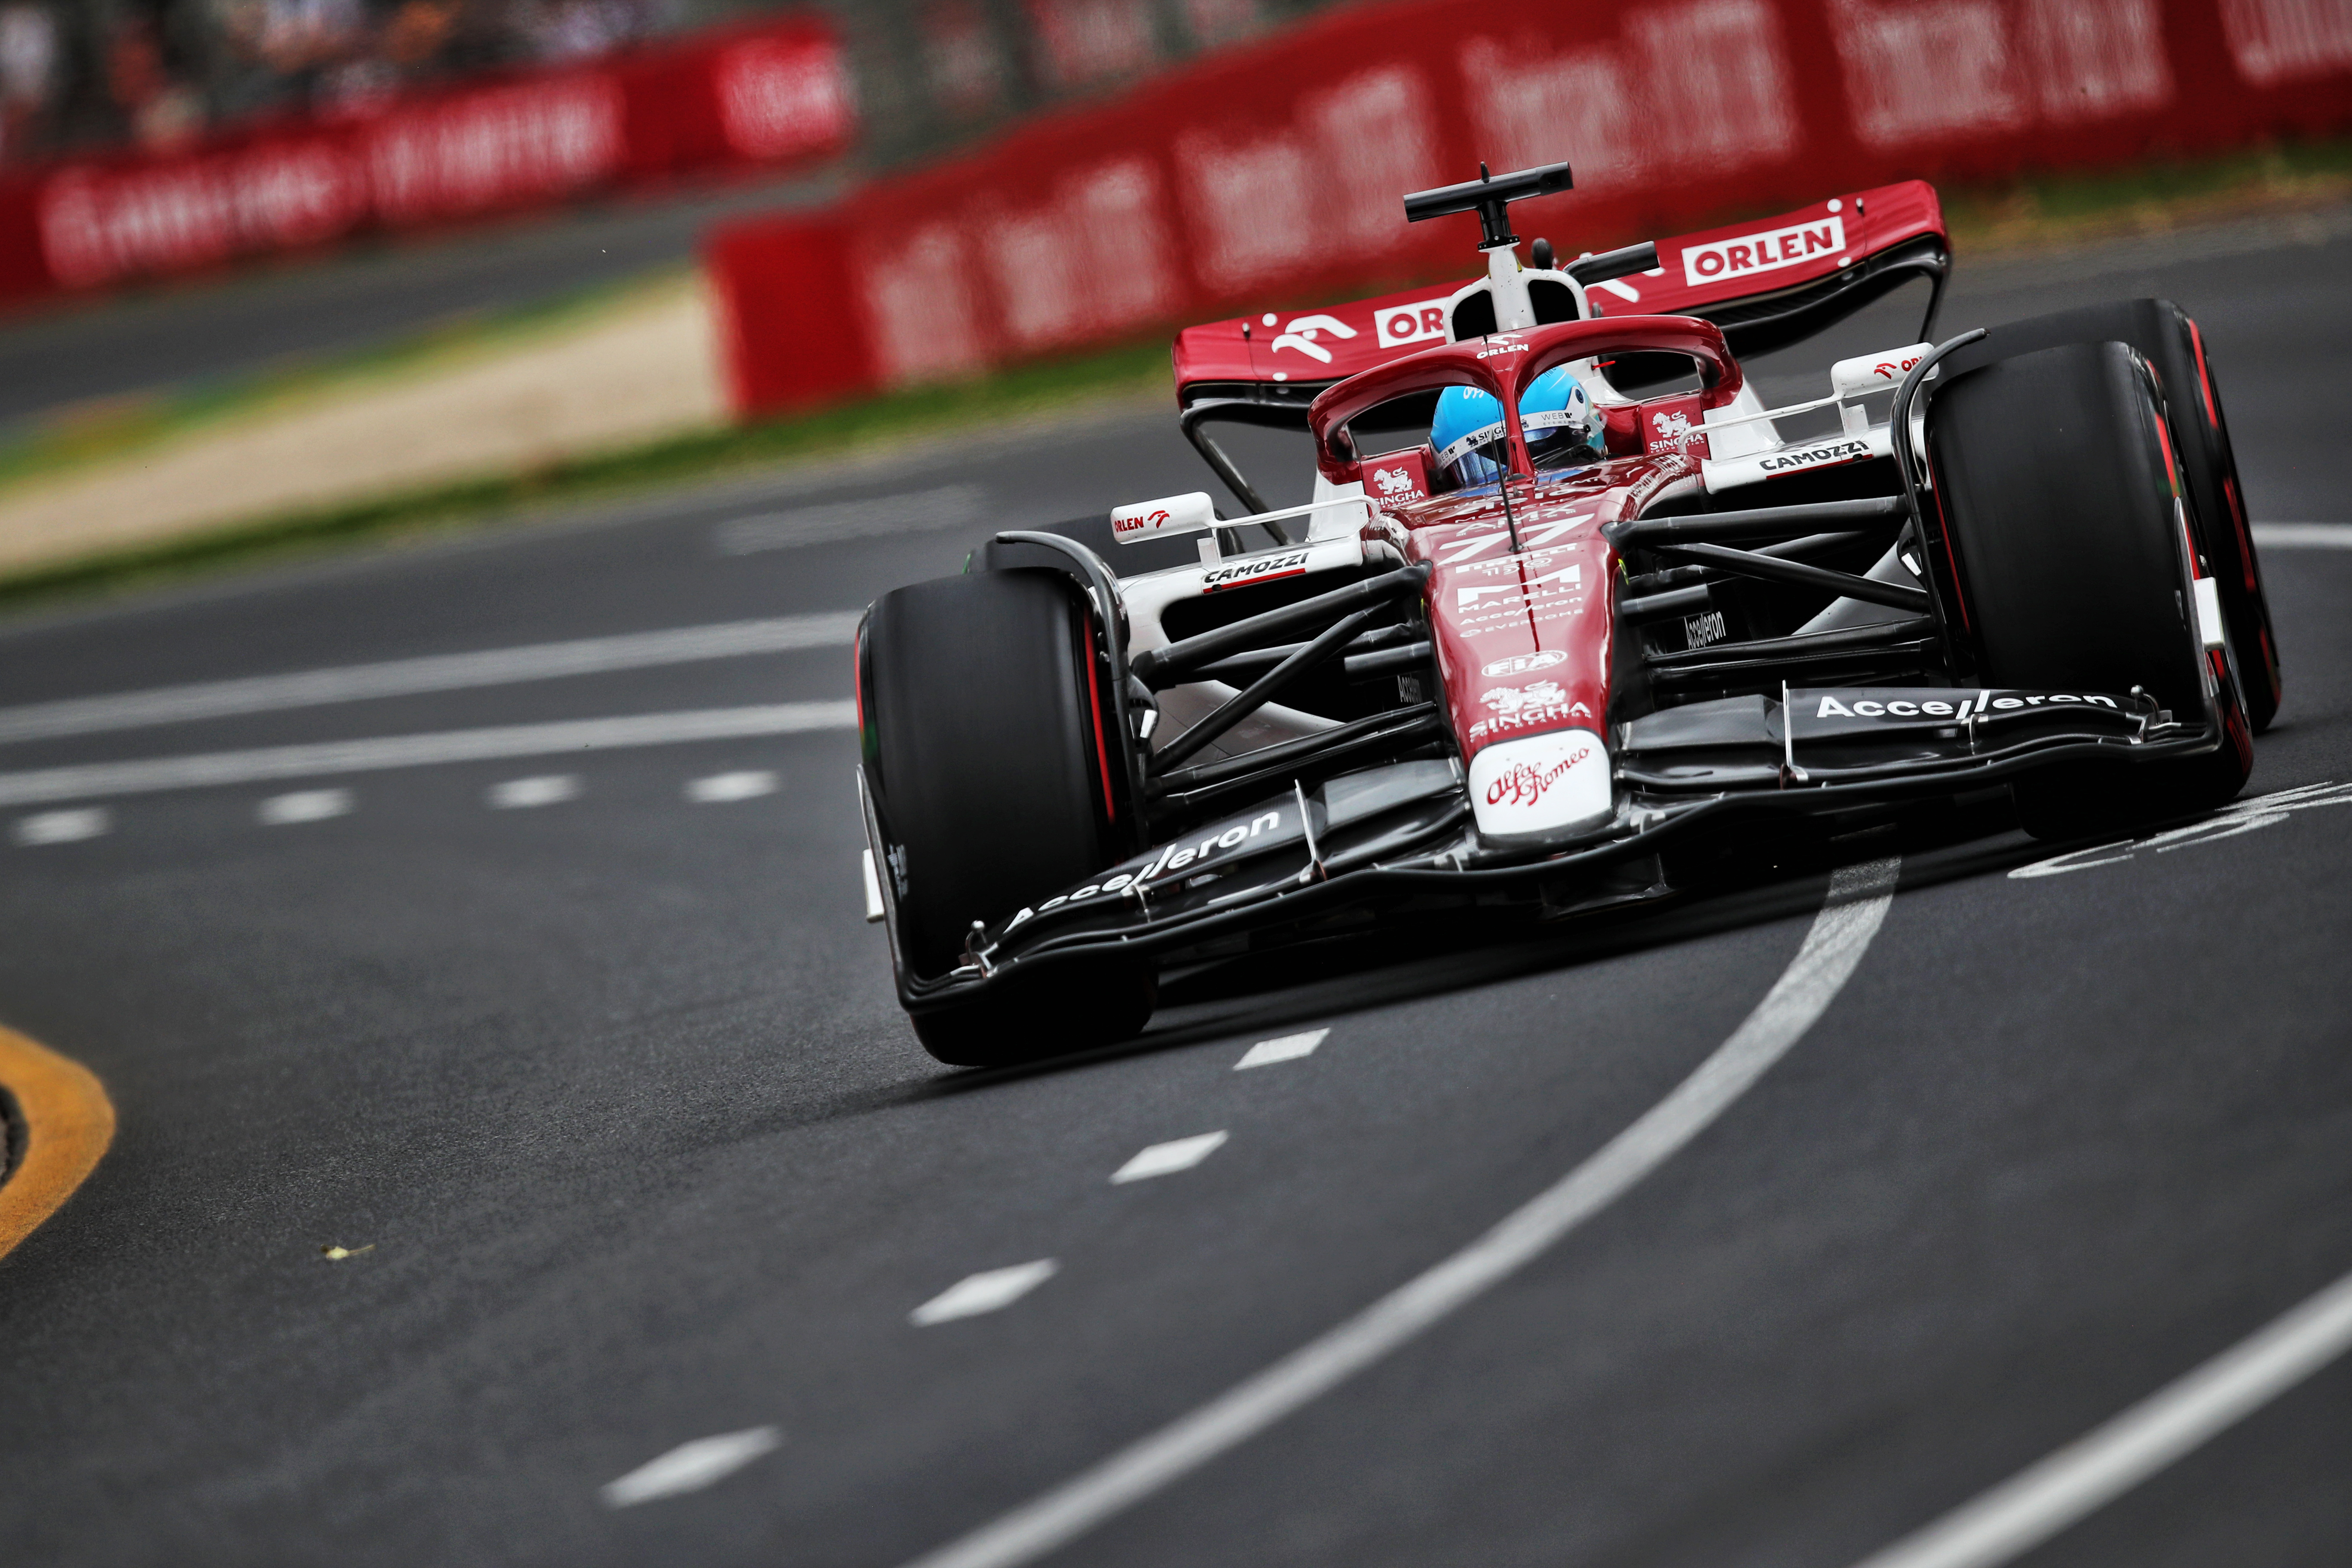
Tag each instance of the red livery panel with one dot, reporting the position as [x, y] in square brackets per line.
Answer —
[1519, 605]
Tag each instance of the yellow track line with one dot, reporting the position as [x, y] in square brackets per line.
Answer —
[69, 1122]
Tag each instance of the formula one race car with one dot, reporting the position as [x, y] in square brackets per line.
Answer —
[1568, 601]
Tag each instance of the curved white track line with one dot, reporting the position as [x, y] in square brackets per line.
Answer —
[1858, 898]
[2099, 1467]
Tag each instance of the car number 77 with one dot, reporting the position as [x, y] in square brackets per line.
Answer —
[1530, 538]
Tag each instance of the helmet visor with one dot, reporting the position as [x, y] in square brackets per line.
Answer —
[1473, 458]
[1562, 439]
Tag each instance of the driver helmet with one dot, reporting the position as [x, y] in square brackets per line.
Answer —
[1562, 428]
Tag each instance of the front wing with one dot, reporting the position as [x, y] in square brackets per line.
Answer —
[1402, 829]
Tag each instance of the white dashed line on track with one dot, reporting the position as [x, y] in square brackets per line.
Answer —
[1857, 904]
[949, 506]
[303, 805]
[719, 788]
[2095, 1469]
[691, 1467]
[435, 672]
[547, 789]
[984, 1293]
[1167, 1159]
[1287, 1049]
[61, 827]
[565, 737]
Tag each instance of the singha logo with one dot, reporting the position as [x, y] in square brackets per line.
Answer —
[1671, 426]
[1536, 696]
[1392, 481]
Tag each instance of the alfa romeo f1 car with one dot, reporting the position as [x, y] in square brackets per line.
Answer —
[1536, 662]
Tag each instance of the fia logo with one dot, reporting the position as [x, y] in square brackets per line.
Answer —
[1520, 663]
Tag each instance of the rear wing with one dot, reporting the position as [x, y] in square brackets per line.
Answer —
[1767, 283]
[1779, 281]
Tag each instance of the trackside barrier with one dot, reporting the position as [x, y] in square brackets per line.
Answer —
[1271, 173]
[776, 93]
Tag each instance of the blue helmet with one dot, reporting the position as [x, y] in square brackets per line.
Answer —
[1554, 411]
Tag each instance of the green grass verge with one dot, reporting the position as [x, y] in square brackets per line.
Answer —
[1136, 370]
[104, 430]
[2034, 212]
[2056, 209]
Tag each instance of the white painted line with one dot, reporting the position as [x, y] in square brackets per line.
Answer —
[1167, 1159]
[40, 785]
[2303, 535]
[984, 1292]
[2102, 1465]
[2238, 816]
[721, 787]
[546, 789]
[435, 672]
[949, 506]
[1288, 1048]
[303, 805]
[61, 827]
[691, 1467]
[1841, 933]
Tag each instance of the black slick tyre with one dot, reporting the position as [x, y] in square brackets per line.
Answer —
[2163, 336]
[982, 729]
[2056, 489]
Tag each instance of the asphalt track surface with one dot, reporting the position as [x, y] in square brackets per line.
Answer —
[614, 1089]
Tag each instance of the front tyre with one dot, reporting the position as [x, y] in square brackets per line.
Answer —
[983, 721]
[2165, 337]
[2058, 493]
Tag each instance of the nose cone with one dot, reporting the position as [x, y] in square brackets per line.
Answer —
[1546, 786]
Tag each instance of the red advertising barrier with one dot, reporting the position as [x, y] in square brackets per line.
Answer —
[1271, 174]
[776, 94]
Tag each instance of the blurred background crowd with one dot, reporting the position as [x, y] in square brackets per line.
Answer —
[79, 76]
[83, 75]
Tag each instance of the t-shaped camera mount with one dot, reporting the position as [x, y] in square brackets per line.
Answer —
[1490, 197]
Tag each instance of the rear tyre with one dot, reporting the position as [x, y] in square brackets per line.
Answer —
[2057, 492]
[982, 718]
